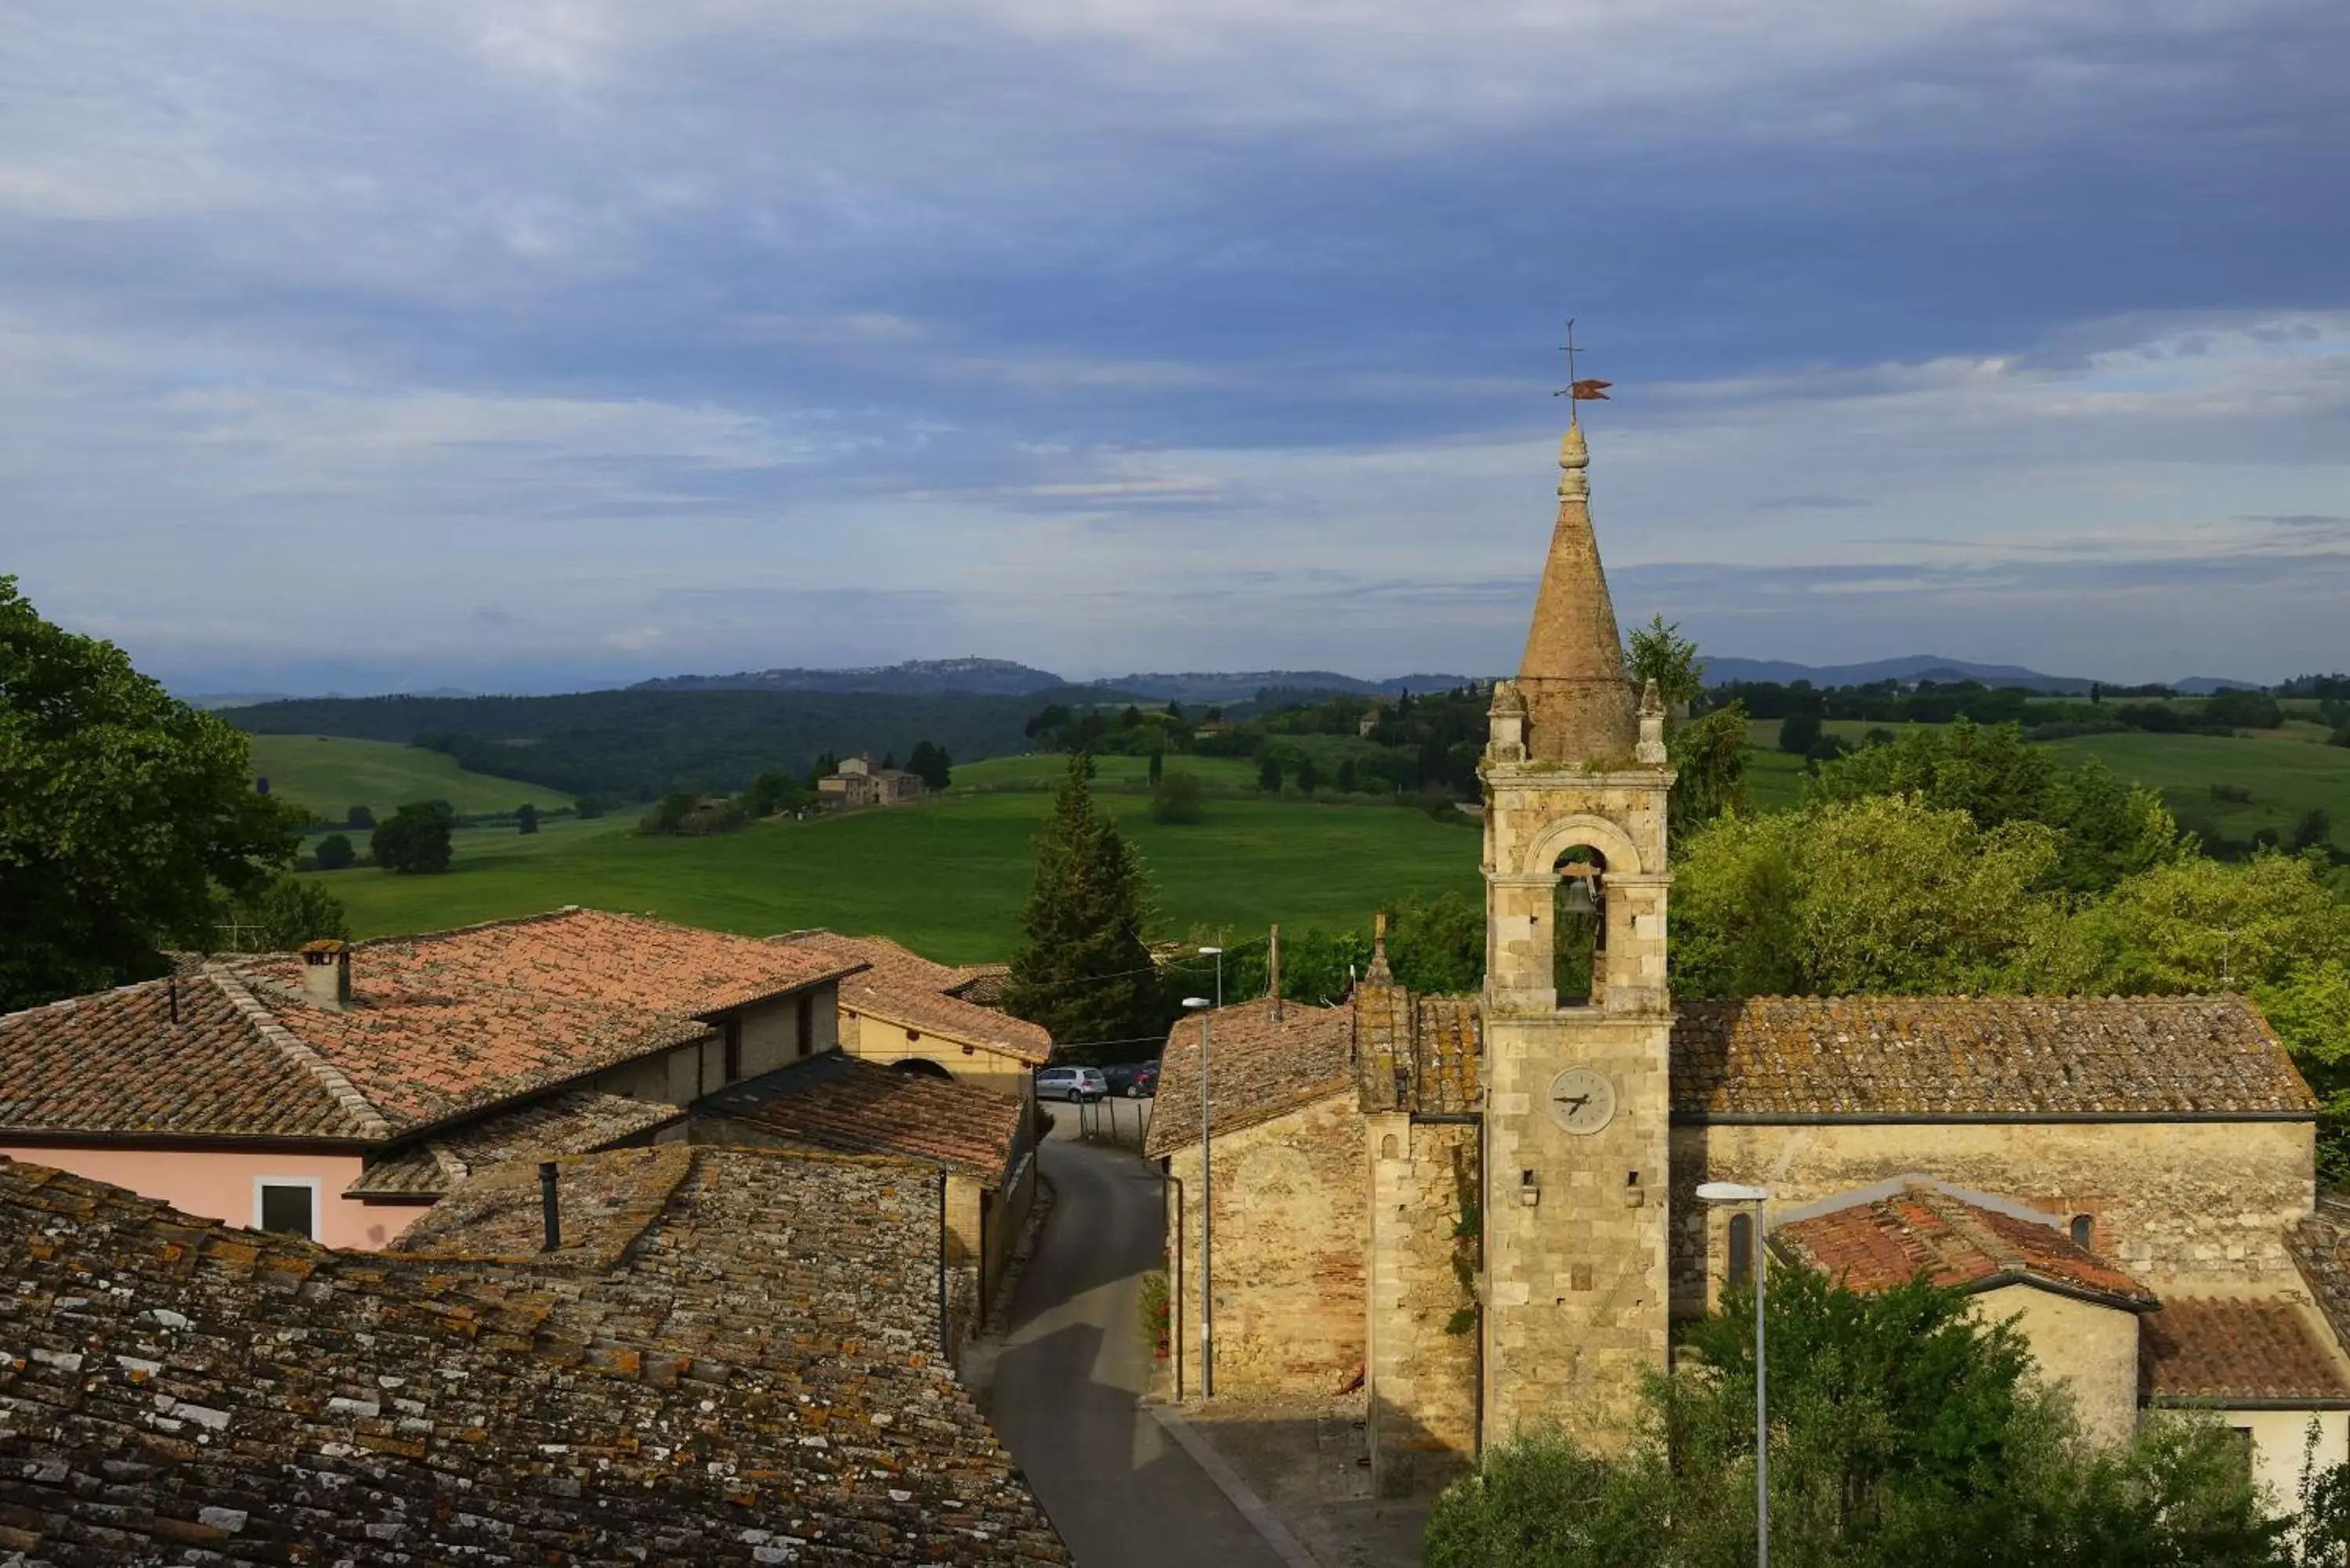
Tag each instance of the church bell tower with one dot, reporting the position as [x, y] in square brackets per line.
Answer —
[1577, 1019]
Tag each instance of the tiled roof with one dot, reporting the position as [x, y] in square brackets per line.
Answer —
[1944, 1056]
[576, 1121]
[175, 1056]
[1257, 1069]
[2229, 1348]
[754, 1377]
[983, 984]
[905, 988]
[1416, 1054]
[836, 1101]
[2321, 1249]
[1880, 1244]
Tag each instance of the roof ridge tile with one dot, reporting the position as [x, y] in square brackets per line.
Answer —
[357, 1106]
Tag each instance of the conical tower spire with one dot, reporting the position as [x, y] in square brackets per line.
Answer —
[1579, 704]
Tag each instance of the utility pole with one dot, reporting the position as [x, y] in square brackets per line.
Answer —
[1273, 966]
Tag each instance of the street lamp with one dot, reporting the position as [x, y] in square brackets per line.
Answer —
[1739, 1192]
[1201, 1005]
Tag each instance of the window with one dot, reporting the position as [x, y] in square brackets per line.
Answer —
[2085, 1230]
[288, 1206]
[806, 1024]
[1741, 1249]
[731, 1033]
[2240, 1452]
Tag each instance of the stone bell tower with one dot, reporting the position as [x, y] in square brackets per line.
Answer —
[1575, 1088]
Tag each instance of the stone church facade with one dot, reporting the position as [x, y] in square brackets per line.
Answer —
[1483, 1207]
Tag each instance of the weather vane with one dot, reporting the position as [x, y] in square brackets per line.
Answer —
[1574, 391]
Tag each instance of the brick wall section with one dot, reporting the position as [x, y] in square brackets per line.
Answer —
[1291, 1244]
[2193, 1205]
[1423, 1379]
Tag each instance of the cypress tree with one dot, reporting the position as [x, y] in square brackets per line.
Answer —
[1083, 972]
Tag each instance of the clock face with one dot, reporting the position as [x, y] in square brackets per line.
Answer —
[1582, 1101]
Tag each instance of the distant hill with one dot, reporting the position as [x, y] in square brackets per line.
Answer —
[1240, 686]
[1910, 667]
[2204, 685]
[915, 678]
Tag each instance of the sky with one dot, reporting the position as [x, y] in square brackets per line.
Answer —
[537, 345]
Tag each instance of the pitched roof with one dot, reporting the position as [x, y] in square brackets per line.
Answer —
[899, 984]
[1889, 1241]
[576, 1121]
[838, 1101]
[1926, 1057]
[1257, 1068]
[2319, 1245]
[2232, 1348]
[184, 1056]
[1416, 1054]
[753, 1377]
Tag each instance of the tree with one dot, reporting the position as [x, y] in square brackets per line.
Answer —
[525, 818]
[1708, 759]
[335, 853]
[825, 766]
[1268, 775]
[1082, 970]
[1661, 654]
[123, 813]
[2313, 830]
[1309, 777]
[1437, 945]
[415, 842]
[1905, 1433]
[1158, 767]
[931, 764]
[1175, 798]
[1799, 733]
[770, 793]
[278, 917]
[1350, 777]
[358, 819]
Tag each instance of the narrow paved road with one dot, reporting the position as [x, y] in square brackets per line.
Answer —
[1063, 1390]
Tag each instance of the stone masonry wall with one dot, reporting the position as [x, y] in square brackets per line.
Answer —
[1422, 1374]
[1290, 1245]
[2195, 1205]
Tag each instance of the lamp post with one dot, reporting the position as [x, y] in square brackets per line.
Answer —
[1200, 1004]
[1739, 1192]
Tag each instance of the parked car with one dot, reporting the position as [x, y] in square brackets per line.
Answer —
[1134, 1080]
[1080, 1083]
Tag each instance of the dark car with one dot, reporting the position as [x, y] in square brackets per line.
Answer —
[1134, 1080]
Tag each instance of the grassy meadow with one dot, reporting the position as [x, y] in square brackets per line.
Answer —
[948, 876]
[331, 773]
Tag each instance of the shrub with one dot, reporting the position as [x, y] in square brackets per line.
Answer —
[2234, 793]
[335, 853]
[1799, 733]
[416, 840]
[1157, 1308]
[1176, 799]
[526, 819]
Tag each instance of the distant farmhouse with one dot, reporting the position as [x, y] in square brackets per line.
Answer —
[860, 783]
[1485, 1207]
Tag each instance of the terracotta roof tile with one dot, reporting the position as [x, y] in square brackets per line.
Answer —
[1941, 1056]
[2321, 1249]
[1877, 1245]
[753, 1377]
[1258, 1068]
[901, 985]
[1416, 1054]
[576, 1121]
[836, 1101]
[165, 1056]
[2220, 1349]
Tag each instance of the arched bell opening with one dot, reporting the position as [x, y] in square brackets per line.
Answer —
[1579, 927]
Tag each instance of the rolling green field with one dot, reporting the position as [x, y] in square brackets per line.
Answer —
[331, 773]
[946, 877]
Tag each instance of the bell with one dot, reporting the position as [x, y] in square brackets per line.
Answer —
[1578, 897]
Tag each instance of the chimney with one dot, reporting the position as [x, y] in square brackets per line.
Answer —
[327, 974]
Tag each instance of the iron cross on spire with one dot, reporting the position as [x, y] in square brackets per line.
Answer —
[1578, 392]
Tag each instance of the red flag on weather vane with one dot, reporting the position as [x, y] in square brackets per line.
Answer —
[1587, 392]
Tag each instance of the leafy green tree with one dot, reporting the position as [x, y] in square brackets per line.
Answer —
[1082, 970]
[2313, 830]
[1309, 777]
[1883, 894]
[1799, 733]
[415, 842]
[1709, 758]
[123, 813]
[1661, 654]
[1158, 768]
[525, 818]
[335, 853]
[2108, 830]
[1175, 798]
[1350, 778]
[1437, 945]
[1905, 1433]
[1268, 775]
[824, 767]
[358, 817]
[931, 764]
[278, 917]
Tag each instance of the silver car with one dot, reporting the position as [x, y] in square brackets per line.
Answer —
[1080, 1083]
